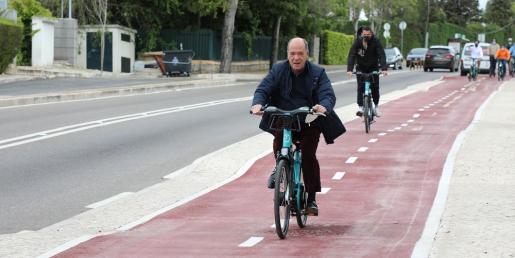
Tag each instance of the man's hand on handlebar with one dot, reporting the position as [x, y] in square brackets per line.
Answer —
[256, 110]
[384, 72]
[319, 108]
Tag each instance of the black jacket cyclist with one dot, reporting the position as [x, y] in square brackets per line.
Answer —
[367, 55]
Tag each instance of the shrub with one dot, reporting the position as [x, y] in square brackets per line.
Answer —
[9, 42]
[335, 47]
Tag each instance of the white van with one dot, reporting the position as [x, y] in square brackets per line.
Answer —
[466, 61]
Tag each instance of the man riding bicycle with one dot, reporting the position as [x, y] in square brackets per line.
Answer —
[503, 55]
[292, 84]
[367, 53]
[476, 53]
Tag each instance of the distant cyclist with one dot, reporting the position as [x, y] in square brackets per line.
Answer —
[512, 54]
[476, 53]
[503, 56]
[367, 54]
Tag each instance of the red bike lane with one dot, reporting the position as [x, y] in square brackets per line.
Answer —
[378, 191]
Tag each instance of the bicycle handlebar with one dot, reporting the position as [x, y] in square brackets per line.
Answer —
[301, 110]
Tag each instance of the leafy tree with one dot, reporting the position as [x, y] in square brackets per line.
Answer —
[26, 9]
[460, 12]
[499, 12]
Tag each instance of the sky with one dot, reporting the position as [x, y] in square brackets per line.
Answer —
[482, 4]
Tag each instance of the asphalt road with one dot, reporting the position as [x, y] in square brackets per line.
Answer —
[56, 159]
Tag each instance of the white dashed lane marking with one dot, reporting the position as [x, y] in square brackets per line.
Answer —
[251, 241]
[325, 190]
[404, 125]
[410, 121]
[351, 160]
[382, 134]
[362, 149]
[416, 115]
[338, 176]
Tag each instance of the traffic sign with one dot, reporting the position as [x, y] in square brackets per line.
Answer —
[402, 25]
[386, 26]
[386, 34]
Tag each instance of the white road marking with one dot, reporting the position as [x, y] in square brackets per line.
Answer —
[404, 125]
[338, 176]
[381, 134]
[432, 104]
[66, 246]
[416, 115]
[372, 140]
[410, 121]
[351, 160]
[362, 149]
[39, 136]
[421, 109]
[427, 107]
[390, 130]
[108, 200]
[397, 128]
[325, 190]
[251, 242]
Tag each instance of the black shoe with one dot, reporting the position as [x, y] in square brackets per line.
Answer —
[312, 208]
[271, 180]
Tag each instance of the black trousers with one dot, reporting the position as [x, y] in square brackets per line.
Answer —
[493, 63]
[309, 137]
[374, 87]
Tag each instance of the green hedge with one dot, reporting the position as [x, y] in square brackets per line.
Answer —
[9, 42]
[335, 47]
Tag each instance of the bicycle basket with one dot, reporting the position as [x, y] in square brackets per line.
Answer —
[278, 122]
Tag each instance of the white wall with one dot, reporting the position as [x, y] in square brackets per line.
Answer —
[120, 48]
[43, 41]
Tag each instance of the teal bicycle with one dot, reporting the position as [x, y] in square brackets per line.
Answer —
[290, 197]
[368, 106]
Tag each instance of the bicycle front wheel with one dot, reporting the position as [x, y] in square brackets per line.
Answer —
[282, 197]
[367, 112]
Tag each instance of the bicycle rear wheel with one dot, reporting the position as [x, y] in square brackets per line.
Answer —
[282, 198]
[366, 112]
[301, 198]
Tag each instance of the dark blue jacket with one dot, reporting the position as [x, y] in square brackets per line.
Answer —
[278, 83]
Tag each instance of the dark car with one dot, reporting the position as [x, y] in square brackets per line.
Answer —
[442, 57]
[416, 55]
[394, 57]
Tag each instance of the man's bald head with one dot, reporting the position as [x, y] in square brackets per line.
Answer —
[297, 54]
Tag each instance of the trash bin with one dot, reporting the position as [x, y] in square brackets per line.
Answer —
[178, 62]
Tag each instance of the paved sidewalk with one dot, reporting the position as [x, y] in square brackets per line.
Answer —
[479, 216]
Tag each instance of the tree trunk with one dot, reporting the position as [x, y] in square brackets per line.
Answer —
[275, 41]
[227, 37]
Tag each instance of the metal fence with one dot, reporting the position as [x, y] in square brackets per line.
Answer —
[207, 44]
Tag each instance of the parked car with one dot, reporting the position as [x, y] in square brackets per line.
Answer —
[466, 61]
[394, 57]
[416, 54]
[443, 57]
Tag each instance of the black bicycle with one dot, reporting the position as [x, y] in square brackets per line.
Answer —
[290, 197]
[501, 71]
[368, 106]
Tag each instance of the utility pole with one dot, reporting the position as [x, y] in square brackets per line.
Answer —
[426, 41]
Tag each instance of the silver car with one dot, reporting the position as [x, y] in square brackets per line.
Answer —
[416, 54]
[394, 58]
